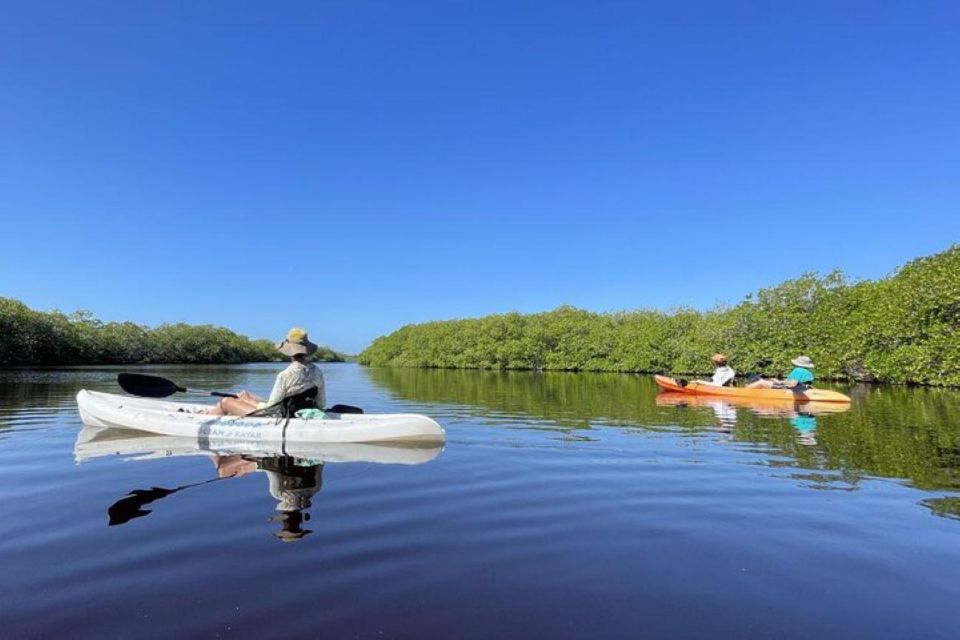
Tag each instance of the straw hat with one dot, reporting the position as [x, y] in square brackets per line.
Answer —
[803, 361]
[296, 343]
[719, 359]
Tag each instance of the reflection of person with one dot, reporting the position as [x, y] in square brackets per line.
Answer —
[806, 424]
[292, 482]
[233, 466]
[800, 378]
[296, 378]
[726, 415]
[724, 374]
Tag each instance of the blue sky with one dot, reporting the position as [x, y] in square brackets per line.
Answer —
[354, 166]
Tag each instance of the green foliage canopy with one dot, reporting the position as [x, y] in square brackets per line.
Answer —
[29, 337]
[901, 329]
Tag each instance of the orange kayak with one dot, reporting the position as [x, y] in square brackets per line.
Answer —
[763, 407]
[703, 389]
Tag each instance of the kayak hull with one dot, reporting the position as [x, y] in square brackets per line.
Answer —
[762, 407]
[788, 395]
[108, 410]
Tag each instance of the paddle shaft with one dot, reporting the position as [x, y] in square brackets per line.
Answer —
[219, 394]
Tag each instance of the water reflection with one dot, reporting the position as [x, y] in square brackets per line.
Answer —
[801, 415]
[292, 483]
[294, 472]
[913, 434]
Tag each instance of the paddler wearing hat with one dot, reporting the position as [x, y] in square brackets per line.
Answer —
[299, 376]
[724, 374]
[801, 376]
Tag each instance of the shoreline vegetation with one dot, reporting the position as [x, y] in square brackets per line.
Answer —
[53, 338]
[901, 329]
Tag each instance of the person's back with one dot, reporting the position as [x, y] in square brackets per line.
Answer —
[723, 376]
[299, 376]
[801, 375]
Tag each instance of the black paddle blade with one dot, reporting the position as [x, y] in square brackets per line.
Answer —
[147, 386]
[344, 408]
[130, 507]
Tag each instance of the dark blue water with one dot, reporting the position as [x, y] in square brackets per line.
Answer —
[563, 506]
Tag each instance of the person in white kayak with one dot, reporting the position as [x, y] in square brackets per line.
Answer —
[298, 378]
[724, 374]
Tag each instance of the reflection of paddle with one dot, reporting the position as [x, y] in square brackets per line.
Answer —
[131, 506]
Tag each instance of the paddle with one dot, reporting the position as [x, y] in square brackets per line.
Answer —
[147, 386]
[343, 408]
[140, 384]
[131, 506]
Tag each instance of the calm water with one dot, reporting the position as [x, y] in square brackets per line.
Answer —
[563, 506]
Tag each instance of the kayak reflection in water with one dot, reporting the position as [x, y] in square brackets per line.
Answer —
[294, 470]
[802, 415]
[292, 482]
[297, 378]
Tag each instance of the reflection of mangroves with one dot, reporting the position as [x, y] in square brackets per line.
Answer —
[891, 432]
[565, 398]
[899, 329]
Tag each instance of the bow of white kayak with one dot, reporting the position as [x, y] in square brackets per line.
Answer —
[187, 420]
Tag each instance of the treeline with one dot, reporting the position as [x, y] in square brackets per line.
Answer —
[901, 329]
[38, 338]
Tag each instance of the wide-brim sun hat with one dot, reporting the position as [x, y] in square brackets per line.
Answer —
[296, 344]
[803, 361]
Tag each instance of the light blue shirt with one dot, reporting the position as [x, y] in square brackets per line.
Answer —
[801, 375]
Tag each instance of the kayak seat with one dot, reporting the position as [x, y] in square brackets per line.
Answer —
[288, 407]
[306, 399]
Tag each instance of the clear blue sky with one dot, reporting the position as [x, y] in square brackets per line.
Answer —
[354, 166]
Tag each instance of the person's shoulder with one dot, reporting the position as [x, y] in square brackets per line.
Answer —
[799, 373]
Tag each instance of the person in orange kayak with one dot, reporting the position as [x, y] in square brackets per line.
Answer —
[801, 377]
[297, 378]
[723, 375]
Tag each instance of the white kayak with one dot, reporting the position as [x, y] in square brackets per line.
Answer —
[98, 442]
[188, 420]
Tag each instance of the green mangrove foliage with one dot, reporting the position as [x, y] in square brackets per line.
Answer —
[901, 329]
[29, 337]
